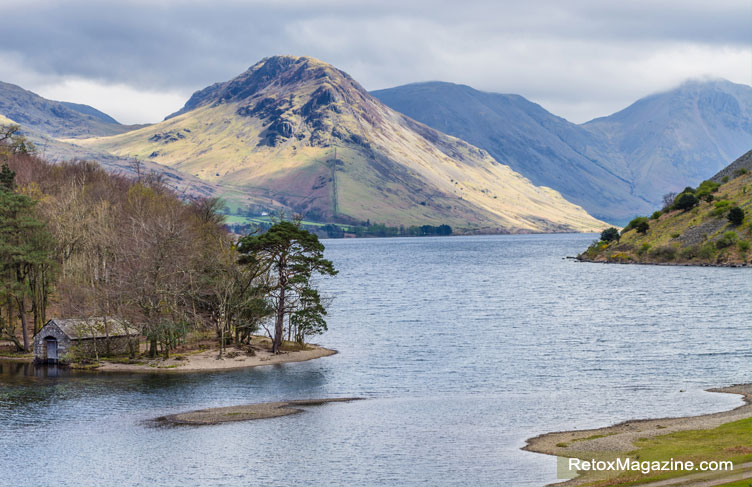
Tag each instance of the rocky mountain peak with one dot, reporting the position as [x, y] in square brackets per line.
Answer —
[280, 75]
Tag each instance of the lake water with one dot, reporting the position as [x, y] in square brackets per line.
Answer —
[464, 347]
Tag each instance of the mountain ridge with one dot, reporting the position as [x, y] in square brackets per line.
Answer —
[590, 164]
[55, 118]
[276, 128]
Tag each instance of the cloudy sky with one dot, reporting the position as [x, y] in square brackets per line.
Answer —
[140, 60]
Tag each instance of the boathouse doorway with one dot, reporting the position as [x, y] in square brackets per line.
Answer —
[51, 345]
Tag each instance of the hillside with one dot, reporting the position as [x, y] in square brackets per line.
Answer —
[707, 225]
[56, 151]
[547, 149]
[301, 133]
[54, 118]
[616, 166]
[681, 137]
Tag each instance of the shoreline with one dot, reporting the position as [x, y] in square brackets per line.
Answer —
[617, 440]
[200, 361]
[207, 361]
[742, 265]
[246, 412]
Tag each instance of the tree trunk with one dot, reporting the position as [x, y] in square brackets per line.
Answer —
[279, 323]
[221, 325]
[22, 317]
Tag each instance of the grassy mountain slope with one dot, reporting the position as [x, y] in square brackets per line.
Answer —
[54, 150]
[54, 118]
[306, 135]
[545, 148]
[702, 235]
[615, 167]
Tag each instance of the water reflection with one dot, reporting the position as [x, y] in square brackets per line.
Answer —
[10, 369]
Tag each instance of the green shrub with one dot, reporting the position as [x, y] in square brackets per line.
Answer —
[744, 246]
[686, 201]
[727, 240]
[720, 207]
[725, 179]
[735, 216]
[675, 235]
[656, 215]
[689, 252]
[706, 251]
[633, 224]
[621, 257]
[644, 248]
[610, 235]
[664, 253]
[706, 189]
[640, 224]
[740, 172]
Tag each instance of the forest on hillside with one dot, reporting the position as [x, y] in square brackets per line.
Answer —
[78, 242]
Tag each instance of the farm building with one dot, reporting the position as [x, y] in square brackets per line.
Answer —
[61, 340]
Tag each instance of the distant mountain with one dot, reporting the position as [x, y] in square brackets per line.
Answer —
[54, 118]
[707, 225]
[87, 110]
[55, 150]
[680, 137]
[615, 167]
[304, 134]
[515, 131]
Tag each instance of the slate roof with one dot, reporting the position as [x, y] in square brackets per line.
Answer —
[91, 327]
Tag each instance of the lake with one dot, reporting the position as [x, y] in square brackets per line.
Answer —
[463, 346]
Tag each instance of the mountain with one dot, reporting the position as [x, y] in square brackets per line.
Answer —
[680, 137]
[707, 225]
[744, 163]
[616, 166]
[54, 118]
[547, 149]
[304, 134]
[46, 122]
[88, 110]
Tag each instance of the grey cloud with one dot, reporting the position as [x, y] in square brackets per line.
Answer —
[185, 45]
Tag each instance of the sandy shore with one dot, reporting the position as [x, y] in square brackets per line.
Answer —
[208, 361]
[618, 439]
[245, 412]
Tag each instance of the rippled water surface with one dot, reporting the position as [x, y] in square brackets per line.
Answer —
[464, 347]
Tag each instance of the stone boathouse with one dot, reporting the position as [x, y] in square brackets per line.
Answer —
[66, 340]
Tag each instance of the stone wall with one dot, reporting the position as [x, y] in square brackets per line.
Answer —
[74, 350]
[40, 345]
[91, 347]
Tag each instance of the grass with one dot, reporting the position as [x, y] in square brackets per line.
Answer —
[738, 483]
[730, 441]
[701, 235]
[233, 219]
[14, 354]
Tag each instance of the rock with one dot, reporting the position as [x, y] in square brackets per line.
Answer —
[283, 127]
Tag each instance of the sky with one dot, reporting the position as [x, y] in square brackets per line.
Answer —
[140, 60]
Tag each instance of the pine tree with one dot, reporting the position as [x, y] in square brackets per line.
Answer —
[291, 256]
